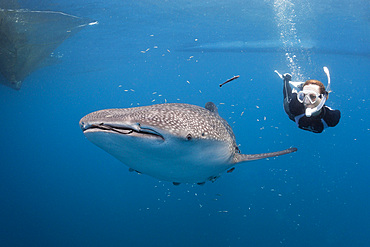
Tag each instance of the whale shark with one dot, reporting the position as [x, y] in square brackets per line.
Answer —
[273, 46]
[175, 142]
[28, 39]
[253, 45]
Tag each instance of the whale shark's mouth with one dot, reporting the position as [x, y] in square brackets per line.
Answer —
[137, 131]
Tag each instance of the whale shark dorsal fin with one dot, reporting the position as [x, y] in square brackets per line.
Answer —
[211, 107]
[249, 157]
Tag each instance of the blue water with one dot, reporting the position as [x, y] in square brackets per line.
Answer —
[58, 189]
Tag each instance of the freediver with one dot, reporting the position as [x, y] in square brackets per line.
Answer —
[304, 102]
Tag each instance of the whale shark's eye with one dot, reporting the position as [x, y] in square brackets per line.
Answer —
[188, 137]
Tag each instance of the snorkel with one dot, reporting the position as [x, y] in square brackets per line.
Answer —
[310, 111]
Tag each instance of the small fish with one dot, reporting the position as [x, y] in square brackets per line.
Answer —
[229, 80]
[231, 170]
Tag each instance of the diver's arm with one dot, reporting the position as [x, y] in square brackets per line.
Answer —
[290, 97]
[331, 117]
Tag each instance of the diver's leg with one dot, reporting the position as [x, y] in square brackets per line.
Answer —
[287, 92]
[287, 89]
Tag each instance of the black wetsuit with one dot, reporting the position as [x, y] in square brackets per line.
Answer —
[296, 112]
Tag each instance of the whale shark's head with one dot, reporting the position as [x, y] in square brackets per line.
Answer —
[173, 142]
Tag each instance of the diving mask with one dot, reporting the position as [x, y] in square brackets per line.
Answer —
[308, 96]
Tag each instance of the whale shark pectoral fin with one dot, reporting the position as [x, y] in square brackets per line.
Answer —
[249, 157]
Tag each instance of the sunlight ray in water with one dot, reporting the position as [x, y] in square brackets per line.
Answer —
[285, 18]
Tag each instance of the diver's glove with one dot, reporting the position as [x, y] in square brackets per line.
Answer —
[287, 77]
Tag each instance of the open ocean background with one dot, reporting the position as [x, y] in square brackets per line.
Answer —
[58, 189]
